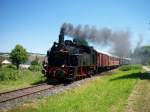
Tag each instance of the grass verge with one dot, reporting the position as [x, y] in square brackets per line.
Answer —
[14, 79]
[139, 100]
[108, 93]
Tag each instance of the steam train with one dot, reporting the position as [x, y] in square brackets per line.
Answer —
[69, 60]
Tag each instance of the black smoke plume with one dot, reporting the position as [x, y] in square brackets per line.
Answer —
[118, 40]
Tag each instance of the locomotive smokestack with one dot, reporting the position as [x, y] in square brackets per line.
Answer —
[61, 36]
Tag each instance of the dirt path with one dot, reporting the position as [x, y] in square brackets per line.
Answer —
[139, 100]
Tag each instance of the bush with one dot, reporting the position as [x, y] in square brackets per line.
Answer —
[11, 66]
[0, 64]
[8, 74]
[149, 62]
[34, 62]
[35, 68]
[130, 67]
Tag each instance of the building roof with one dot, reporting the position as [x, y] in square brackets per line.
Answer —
[6, 62]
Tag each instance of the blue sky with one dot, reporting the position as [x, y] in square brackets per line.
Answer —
[35, 24]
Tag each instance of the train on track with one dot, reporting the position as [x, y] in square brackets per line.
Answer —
[69, 60]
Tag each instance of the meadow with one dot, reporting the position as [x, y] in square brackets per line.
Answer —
[11, 78]
[108, 93]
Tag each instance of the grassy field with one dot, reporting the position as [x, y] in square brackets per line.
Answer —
[108, 93]
[139, 100]
[11, 79]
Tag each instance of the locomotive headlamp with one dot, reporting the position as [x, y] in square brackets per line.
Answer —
[62, 65]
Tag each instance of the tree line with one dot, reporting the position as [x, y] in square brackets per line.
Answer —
[141, 55]
[19, 55]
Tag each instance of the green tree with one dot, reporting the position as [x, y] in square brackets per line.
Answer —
[141, 55]
[18, 55]
[1, 59]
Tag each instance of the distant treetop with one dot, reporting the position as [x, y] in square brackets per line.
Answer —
[18, 55]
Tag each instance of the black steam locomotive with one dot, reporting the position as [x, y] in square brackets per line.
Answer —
[69, 60]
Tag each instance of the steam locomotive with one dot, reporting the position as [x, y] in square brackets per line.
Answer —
[69, 60]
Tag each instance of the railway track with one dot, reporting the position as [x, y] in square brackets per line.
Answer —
[11, 95]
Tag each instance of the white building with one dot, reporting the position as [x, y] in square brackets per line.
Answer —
[24, 66]
[6, 62]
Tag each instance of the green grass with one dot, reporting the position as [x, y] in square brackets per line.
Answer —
[130, 67]
[108, 93]
[140, 98]
[11, 79]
